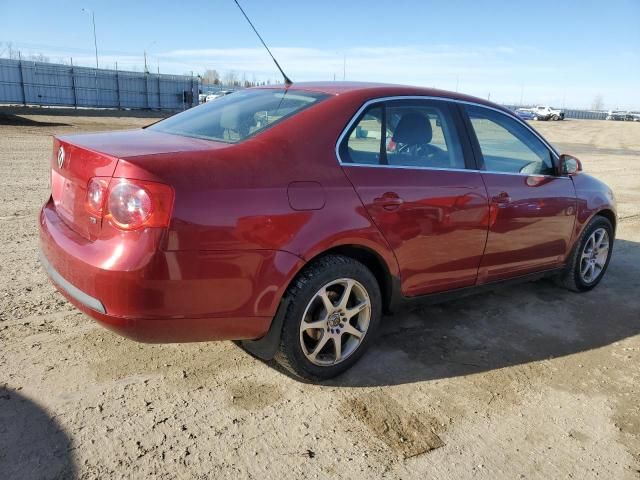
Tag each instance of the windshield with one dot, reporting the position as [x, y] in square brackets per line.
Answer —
[239, 115]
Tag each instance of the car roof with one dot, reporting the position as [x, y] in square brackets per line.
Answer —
[370, 90]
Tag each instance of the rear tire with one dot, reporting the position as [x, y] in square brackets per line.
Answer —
[590, 258]
[333, 315]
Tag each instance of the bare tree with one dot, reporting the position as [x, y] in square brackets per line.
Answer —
[598, 102]
[230, 78]
[8, 51]
[39, 57]
[211, 76]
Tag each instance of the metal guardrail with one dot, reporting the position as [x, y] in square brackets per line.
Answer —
[25, 82]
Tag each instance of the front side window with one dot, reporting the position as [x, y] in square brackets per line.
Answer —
[405, 133]
[239, 115]
[507, 146]
[422, 134]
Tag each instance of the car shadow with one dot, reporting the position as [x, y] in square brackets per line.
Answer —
[19, 121]
[83, 112]
[510, 326]
[32, 444]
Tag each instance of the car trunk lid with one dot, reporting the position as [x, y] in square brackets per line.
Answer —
[72, 166]
[78, 158]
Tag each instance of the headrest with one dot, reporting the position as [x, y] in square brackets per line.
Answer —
[413, 129]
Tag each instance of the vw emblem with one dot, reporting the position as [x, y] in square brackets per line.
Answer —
[60, 157]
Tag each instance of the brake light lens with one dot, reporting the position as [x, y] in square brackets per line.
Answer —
[96, 195]
[130, 204]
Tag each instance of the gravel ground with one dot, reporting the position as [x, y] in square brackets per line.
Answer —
[528, 382]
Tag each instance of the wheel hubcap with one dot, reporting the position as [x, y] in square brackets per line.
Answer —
[594, 256]
[335, 322]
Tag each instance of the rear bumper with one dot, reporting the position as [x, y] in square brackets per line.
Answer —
[70, 290]
[129, 285]
[159, 330]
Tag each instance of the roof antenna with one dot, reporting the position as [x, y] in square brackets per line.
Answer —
[287, 80]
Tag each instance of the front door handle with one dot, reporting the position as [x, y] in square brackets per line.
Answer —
[389, 201]
[501, 200]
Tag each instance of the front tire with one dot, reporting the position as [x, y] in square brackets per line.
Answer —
[590, 258]
[334, 312]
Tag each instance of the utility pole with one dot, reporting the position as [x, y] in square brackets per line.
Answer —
[95, 44]
[344, 67]
[95, 40]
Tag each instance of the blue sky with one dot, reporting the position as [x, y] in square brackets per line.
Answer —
[556, 52]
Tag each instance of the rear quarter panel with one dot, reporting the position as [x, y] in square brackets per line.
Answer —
[235, 198]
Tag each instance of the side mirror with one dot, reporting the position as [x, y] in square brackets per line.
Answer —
[569, 165]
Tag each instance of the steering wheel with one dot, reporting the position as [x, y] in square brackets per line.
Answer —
[421, 149]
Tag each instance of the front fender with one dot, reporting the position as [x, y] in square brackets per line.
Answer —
[593, 196]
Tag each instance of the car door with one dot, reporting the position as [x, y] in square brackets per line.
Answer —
[414, 174]
[532, 209]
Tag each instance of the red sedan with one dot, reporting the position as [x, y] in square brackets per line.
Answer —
[291, 218]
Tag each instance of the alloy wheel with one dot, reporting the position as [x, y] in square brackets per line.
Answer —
[594, 256]
[335, 322]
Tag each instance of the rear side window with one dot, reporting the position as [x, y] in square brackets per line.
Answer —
[405, 133]
[507, 146]
[239, 115]
[364, 143]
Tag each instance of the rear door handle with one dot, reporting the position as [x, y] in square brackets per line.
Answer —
[502, 199]
[389, 201]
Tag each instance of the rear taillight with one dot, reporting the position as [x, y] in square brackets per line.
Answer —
[97, 195]
[130, 204]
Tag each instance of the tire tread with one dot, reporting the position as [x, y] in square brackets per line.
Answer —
[294, 292]
[569, 278]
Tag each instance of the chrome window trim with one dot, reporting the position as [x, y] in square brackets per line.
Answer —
[471, 170]
[372, 101]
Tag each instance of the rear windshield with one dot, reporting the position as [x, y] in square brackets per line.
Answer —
[239, 115]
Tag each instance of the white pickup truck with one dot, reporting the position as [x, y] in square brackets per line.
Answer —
[548, 113]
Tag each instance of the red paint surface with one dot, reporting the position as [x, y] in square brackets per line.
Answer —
[530, 231]
[438, 232]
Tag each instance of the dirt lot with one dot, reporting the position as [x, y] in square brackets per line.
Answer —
[527, 382]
